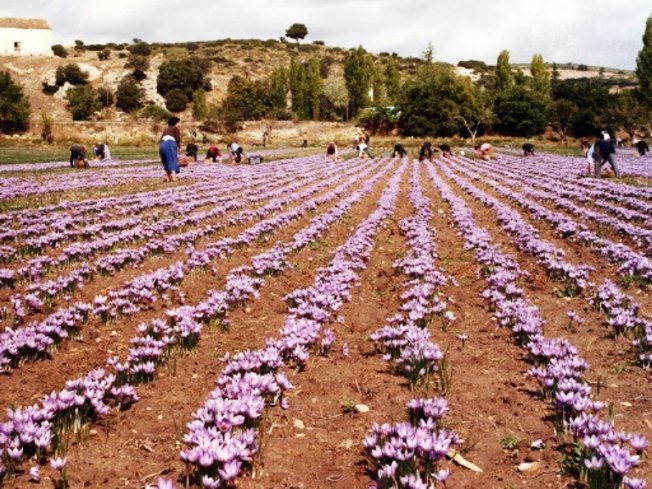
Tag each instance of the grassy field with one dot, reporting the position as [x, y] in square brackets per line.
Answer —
[36, 154]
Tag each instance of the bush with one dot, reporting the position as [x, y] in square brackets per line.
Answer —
[129, 95]
[49, 89]
[104, 54]
[155, 112]
[72, 74]
[141, 48]
[105, 97]
[199, 105]
[122, 55]
[186, 75]
[79, 45]
[319, 43]
[14, 106]
[82, 102]
[140, 65]
[60, 51]
[176, 100]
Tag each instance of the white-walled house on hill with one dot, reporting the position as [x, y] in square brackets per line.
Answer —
[25, 37]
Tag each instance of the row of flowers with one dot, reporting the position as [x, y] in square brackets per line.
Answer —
[36, 432]
[277, 197]
[622, 314]
[406, 455]
[574, 278]
[34, 340]
[221, 439]
[605, 456]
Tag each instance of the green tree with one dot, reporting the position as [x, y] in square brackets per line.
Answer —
[298, 89]
[592, 99]
[562, 112]
[129, 95]
[14, 106]
[72, 74]
[82, 102]
[540, 76]
[278, 88]
[392, 80]
[435, 102]
[644, 64]
[334, 100]
[313, 88]
[185, 74]
[504, 78]
[199, 105]
[358, 72]
[378, 84]
[520, 111]
[296, 32]
[176, 100]
[245, 100]
[628, 111]
[105, 97]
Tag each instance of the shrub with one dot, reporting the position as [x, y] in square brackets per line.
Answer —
[140, 48]
[47, 122]
[129, 95]
[79, 45]
[105, 97]
[72, 74]
[49, 89]
[140, 65]
[319, 43]
[104, 54]
[82, 102]
[122, 55]
[60, 51]
[186, 75]
[199, 106]
[155, 112]
[14, 106]
[176, 100]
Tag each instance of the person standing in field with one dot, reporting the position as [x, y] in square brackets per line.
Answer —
[603, 150]
[446, 151]
[528, 149]
[169, 147]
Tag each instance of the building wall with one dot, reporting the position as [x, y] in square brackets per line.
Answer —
[31, 42]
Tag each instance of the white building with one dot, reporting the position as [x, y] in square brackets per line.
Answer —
[25, 37]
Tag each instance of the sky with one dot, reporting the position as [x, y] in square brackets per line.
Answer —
[593, 32]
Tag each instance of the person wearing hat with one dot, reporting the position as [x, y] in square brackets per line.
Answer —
[169, 148]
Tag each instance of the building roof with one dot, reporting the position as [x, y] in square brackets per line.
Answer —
[16, 23]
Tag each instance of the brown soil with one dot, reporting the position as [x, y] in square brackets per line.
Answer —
[317, 443]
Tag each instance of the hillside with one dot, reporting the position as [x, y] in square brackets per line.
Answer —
[251, 58]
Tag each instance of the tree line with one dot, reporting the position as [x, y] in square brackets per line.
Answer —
[434, 101]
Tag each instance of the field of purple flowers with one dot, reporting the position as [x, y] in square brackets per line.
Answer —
[311, 323]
